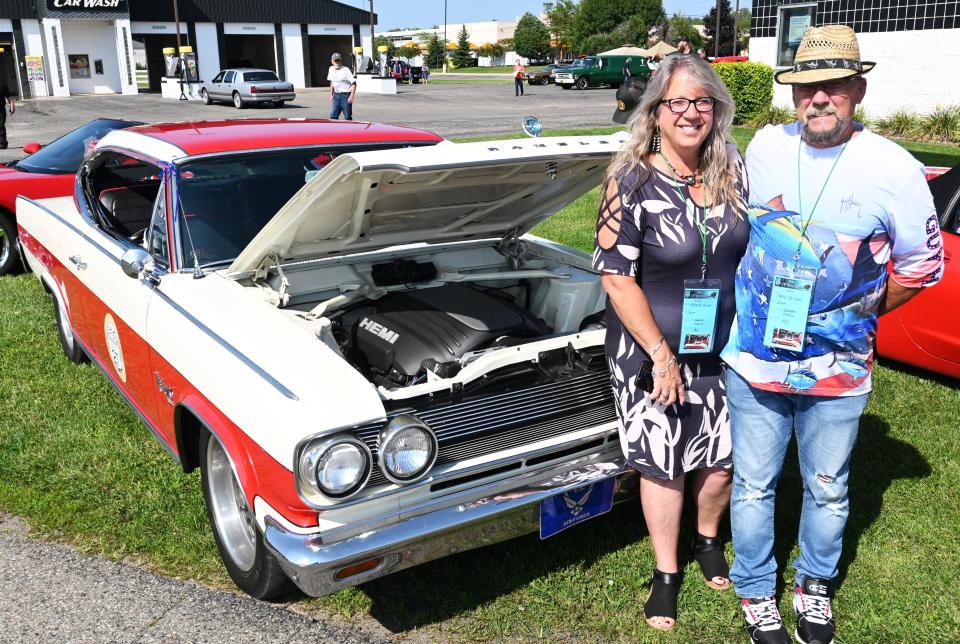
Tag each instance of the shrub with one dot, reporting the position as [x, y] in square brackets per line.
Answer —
[860, 116]
[942, 124]
[751, 85]
[773, 115]
[902, 123]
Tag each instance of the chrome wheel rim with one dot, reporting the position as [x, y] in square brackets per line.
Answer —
[6, 245]
[232, 516]
[237, 101]
[65, 327]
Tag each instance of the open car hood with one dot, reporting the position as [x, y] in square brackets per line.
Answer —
[448, 192]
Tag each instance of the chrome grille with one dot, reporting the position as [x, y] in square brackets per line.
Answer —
[494, 423]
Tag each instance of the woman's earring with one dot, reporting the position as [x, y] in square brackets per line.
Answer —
[655, 142]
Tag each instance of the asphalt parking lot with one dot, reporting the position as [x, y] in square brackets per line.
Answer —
[451, 110]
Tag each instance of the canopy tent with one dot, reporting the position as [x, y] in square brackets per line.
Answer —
[626, 50]
[660, 49]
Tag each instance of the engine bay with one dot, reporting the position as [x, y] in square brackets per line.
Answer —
[424, 316]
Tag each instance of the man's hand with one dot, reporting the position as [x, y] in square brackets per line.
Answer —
[12, 106]
[350, 99]
[331, 97]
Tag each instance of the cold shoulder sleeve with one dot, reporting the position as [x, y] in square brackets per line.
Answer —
[618, 239]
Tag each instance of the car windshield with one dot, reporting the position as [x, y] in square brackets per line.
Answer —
[252, 77]
[225, 201]
[64, 155]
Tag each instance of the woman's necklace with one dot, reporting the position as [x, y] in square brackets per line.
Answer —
[689, 179]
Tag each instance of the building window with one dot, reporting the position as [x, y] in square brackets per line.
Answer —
[794, 20]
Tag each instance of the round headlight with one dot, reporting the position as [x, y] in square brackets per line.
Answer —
[407, 449]
[336, 467]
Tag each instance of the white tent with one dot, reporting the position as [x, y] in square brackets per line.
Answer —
[624, 51]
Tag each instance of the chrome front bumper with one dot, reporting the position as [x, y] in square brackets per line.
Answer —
[494, 513]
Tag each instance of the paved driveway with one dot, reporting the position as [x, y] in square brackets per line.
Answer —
[451, 110]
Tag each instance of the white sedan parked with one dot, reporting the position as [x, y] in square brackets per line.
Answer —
[243, 86]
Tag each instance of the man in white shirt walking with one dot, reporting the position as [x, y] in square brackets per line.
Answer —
[343, 87]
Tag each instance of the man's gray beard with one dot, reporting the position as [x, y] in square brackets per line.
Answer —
[824, 137]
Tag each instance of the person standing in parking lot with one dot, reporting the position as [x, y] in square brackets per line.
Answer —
[343, 87]
[6, 96]
[518, 78]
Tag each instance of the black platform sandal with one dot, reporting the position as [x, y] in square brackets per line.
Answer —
[708, 552]
[662, 599]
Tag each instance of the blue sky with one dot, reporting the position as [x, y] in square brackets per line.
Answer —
[426, 13]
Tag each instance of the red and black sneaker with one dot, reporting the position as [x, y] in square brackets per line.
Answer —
[763, 621]
[811, 603]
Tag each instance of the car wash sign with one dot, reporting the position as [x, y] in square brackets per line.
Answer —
[101, 6]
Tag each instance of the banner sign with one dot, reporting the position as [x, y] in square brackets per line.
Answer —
[101, 6]
[34, 68]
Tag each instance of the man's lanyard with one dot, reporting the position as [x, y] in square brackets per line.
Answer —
[803, 229]
[701, 224]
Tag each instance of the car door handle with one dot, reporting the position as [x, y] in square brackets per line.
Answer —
[78, 262]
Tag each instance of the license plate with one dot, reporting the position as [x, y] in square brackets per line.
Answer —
[575, 506]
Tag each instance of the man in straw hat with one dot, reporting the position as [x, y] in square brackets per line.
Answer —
[831, 204]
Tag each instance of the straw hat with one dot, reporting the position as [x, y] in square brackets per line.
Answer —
[825, 53]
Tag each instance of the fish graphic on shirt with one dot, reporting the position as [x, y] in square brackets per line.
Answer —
[778, 233]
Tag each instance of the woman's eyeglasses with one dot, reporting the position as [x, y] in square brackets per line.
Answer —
[681, 105]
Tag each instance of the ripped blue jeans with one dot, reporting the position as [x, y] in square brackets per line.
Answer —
[761, 423]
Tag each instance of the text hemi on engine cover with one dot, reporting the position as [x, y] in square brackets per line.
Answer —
[379, 330]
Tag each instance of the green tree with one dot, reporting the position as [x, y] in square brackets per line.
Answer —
[461, 55]
[560, 17]
[531, 38]
[606, 16]
[743, 20]
[725, 36]
[391, 50]
[436, 52]
[680, 27]
[408, 51]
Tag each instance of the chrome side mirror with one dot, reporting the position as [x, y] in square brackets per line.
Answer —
[134, 261]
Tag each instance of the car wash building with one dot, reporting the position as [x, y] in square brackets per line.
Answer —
[67, 47]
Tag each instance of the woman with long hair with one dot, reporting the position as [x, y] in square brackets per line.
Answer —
[670, 233]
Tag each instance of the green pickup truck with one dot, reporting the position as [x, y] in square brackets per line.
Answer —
[593, 71]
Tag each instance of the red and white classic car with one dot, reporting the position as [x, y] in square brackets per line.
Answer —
[358, 346]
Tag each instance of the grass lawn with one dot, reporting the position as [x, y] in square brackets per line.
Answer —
[78, 465]
[439, 80]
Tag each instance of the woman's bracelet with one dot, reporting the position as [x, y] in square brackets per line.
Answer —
[657, 348]
[660, 373]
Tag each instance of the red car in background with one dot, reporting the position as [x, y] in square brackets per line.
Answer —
[922, 332]
[48, 171]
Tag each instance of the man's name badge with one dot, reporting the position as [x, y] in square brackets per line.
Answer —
[701, 299]
[789, 309]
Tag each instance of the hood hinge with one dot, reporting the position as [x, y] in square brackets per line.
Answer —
[280, 297]
[514, 249]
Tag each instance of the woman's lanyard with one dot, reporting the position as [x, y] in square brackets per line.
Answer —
[803, 229]
[701, 224]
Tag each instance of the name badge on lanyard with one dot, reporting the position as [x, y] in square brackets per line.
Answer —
[789, 309]
[698, 326]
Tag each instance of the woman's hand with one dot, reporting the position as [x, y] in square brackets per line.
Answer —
[668, 387]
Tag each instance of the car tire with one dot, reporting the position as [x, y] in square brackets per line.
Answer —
[68, 341]
[204, 97]
[237, 101]
[544, 81]
[250, 565]
[8, 244]
[583, 82]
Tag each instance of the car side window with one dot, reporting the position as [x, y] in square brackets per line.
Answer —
[228, 78]
[156, 241]
[218, 78]
[121, 191]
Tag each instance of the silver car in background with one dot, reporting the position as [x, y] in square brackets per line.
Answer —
[245, 85]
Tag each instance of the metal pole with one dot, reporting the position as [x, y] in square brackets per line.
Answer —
[176, 19]
[716, 34]
[736, 29]
[444, 36]
[373, 41]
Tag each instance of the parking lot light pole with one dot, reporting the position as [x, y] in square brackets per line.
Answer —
[444, 36]
[176, 19]
[716, 34]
